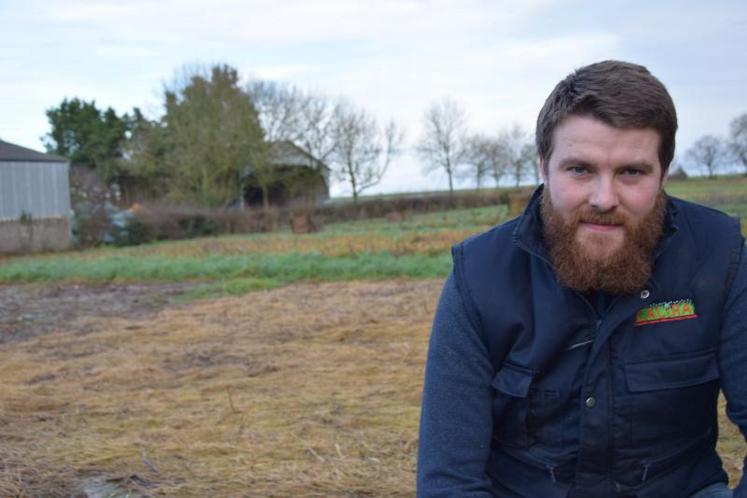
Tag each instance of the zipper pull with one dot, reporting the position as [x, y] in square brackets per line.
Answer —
[551, 469]
[645, 472]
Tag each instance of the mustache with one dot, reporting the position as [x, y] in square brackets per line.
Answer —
[601, 218]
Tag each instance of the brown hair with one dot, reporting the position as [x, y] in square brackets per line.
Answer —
[621, 94]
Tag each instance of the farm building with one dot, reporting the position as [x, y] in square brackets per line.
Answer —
[677, 173]
[298, 178]
[34, 200]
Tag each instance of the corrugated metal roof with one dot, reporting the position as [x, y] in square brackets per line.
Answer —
[12, 152]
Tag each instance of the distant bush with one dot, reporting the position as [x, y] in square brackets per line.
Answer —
[156, 222]
[414, 204]
[145, 223]
[92, 223]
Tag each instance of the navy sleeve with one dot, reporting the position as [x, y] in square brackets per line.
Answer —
[456, 418]
[733, 356]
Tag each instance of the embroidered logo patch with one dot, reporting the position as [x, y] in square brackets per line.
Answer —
[668, 311]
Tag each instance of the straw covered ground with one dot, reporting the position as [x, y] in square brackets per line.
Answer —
[308, 390]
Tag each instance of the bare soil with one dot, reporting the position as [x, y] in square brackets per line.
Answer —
[32, 310]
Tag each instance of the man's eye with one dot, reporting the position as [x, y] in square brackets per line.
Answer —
[578, 170]
[633, 172]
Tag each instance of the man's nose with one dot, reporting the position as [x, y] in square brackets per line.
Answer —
[604, 197]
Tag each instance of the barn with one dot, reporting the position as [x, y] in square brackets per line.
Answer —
[34, 200]
[299, 179]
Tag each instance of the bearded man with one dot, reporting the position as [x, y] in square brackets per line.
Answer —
[579, 350]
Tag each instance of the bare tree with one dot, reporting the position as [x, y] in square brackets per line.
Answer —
[280, 108]
[482, 158]
[708, 153]
[518, 154]
[363, 150]
[442, 145]
[302, 117]
[531, 157]
[289, 113]
[315, 133]
[738, 139]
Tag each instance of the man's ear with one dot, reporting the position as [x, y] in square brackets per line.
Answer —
[543, 169]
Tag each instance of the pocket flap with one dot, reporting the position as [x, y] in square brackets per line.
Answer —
[513, 380]
[671, 373]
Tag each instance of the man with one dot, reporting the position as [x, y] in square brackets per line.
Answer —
[578, 350]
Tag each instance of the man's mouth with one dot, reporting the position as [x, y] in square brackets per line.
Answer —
[601, 227]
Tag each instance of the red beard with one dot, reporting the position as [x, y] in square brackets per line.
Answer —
[624, 270]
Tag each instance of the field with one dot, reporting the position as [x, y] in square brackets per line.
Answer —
[263, 365]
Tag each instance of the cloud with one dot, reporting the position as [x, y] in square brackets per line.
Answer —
[394, 57]
[290, 21]
[284, 71]
[503, 82]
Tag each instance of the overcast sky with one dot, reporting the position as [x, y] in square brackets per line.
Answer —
[499, 59]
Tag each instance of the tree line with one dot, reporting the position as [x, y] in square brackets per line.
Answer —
[711, 153]
[215, 133]
[446, 144]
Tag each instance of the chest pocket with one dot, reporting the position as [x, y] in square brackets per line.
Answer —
[525, 413]
[672, 397]
[511, 405]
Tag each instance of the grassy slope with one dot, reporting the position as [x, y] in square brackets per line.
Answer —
[416, 248]
[728, 194]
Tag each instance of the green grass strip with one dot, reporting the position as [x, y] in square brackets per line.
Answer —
[282, 268]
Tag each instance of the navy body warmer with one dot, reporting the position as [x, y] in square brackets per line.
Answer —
[590, 405]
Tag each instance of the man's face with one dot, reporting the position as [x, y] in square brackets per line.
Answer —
[603, 205]
[604, 177]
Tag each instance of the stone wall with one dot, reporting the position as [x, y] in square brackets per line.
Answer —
[35, 235]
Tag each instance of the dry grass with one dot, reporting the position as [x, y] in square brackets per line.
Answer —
[731, 445]
[329, 245]
[310, 390]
